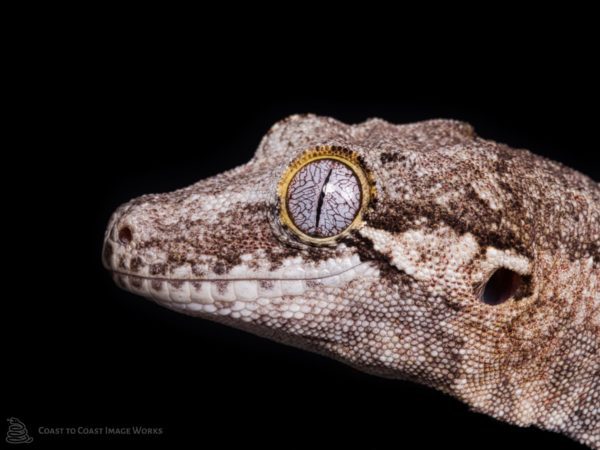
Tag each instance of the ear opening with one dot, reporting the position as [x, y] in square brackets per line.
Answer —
[501, 286]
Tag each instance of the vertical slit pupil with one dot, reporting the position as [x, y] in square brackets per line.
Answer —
[502, 285]
[321, 197]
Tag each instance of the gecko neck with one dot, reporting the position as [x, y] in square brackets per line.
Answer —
[550, 380]
[557, 389]
[558, 378]
[570, 360]
[560, 397]
[570, 402]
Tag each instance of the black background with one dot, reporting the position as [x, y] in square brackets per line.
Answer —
[138, 114]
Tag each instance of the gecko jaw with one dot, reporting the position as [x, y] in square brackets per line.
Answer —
[260, 277]
[227, 296]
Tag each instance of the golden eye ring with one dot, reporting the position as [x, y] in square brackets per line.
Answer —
[323, 194]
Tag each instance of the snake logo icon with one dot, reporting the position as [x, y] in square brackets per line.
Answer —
[17, 432]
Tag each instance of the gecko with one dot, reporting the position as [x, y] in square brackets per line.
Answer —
[418, 251]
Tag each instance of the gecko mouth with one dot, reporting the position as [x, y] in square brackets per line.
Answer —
[228, 295]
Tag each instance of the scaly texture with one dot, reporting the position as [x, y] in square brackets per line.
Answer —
[402, 294]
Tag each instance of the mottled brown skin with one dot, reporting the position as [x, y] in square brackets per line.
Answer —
[450, 209]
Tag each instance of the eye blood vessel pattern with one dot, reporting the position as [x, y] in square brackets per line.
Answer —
[323, 198]
[399, 294]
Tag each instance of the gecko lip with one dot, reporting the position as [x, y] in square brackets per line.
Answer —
[214, 294]
[228, 279]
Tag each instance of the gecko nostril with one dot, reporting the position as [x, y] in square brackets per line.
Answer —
[501, 286]
[125, 235]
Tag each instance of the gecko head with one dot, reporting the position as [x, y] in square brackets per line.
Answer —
[403, 250]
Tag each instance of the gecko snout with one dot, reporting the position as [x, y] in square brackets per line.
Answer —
[123, 237]
[119, 237]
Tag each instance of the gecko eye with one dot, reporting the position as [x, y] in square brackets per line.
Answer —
[501, 286]
[323, 193]
[323, 198]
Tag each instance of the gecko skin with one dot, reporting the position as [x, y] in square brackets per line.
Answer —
[471, 267]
